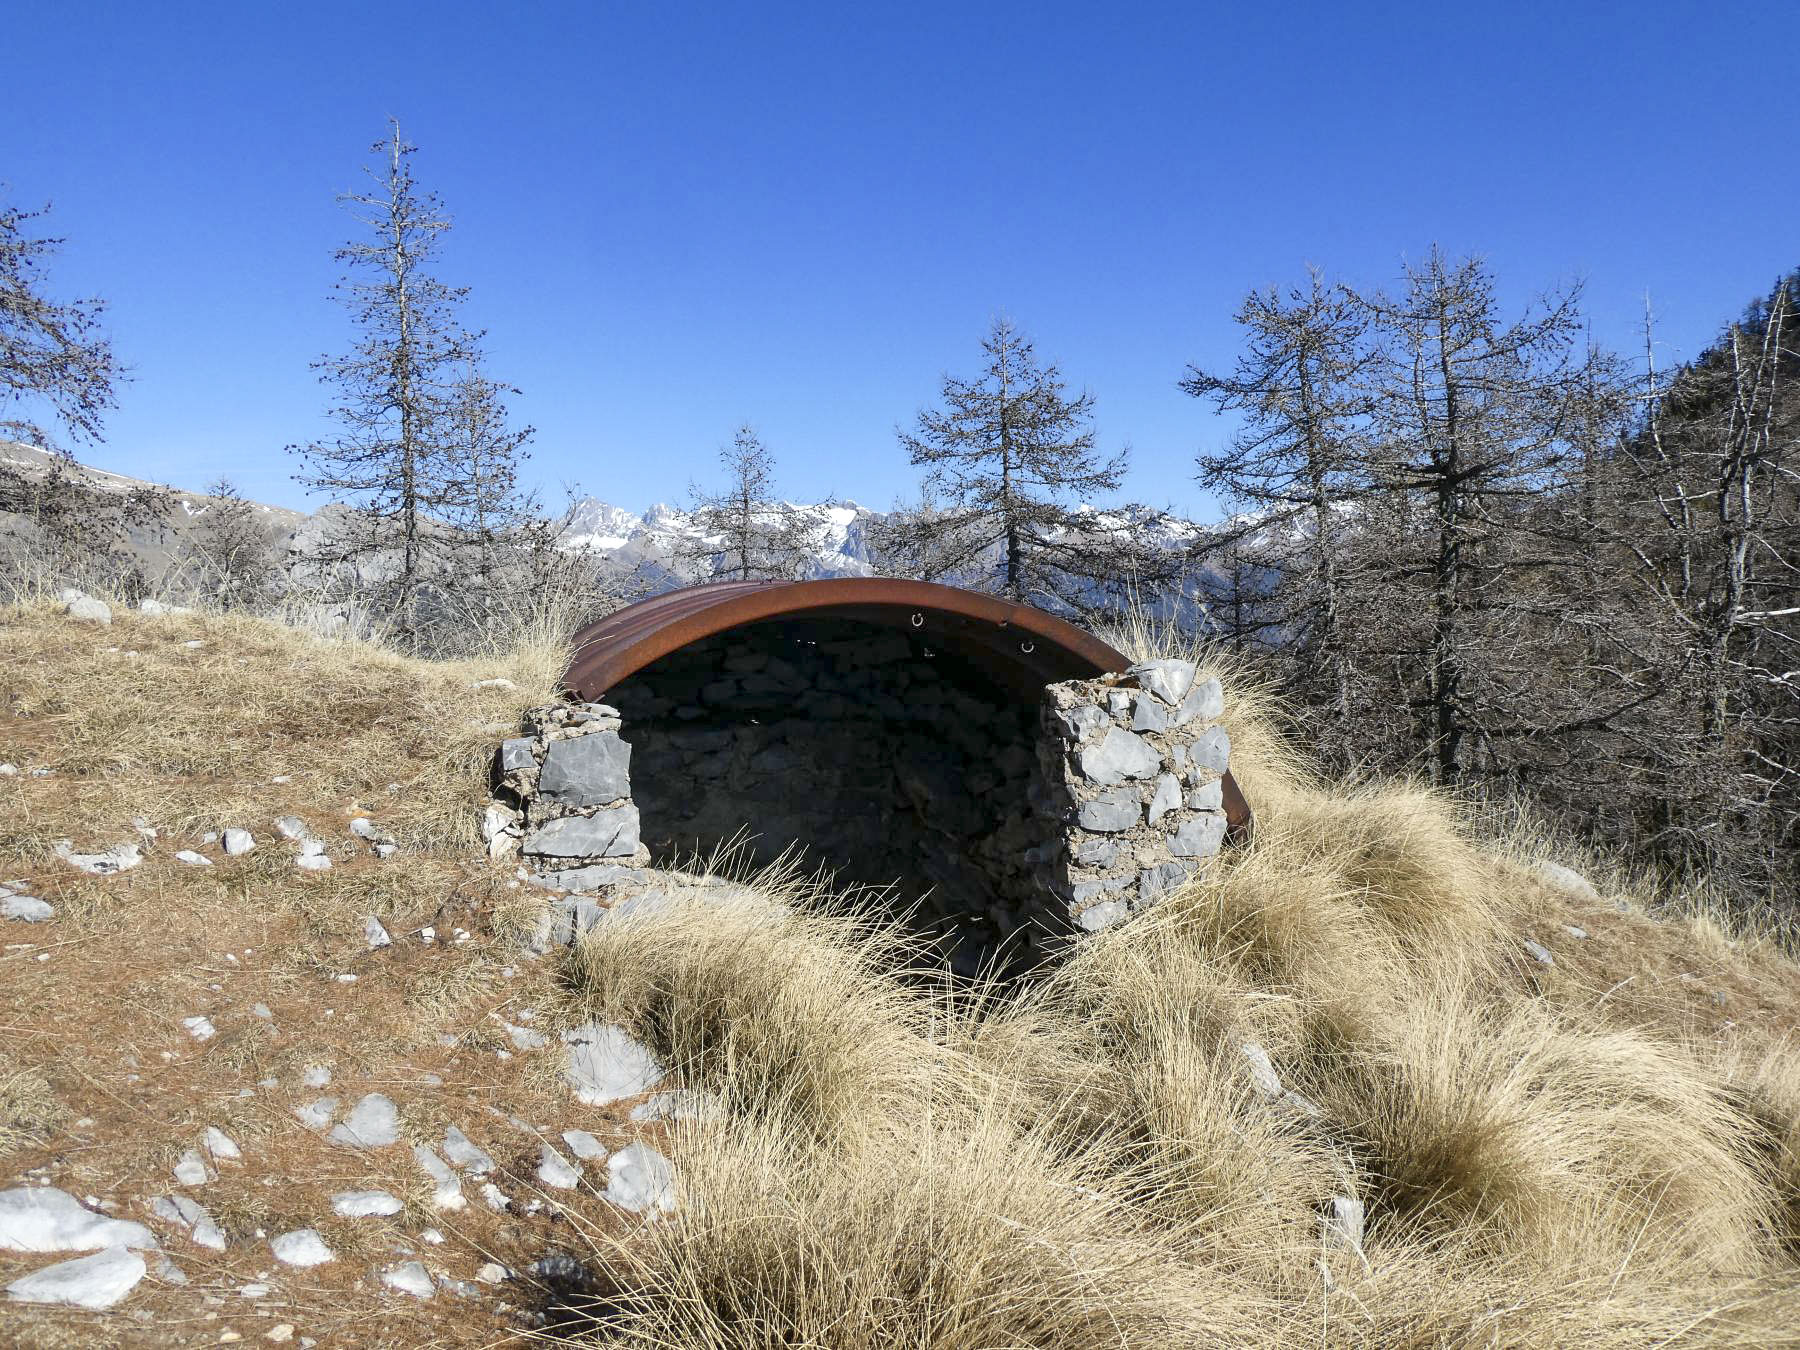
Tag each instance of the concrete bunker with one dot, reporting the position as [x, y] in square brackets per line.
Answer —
[1003, 772]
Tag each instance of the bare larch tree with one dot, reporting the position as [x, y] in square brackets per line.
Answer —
[392, 458]
[747, 533]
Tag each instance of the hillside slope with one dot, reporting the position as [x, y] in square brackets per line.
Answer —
[1374, 1081]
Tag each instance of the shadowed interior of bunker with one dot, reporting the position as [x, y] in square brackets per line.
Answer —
[888, 760]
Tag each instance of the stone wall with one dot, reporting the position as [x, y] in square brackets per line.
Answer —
[1134, 799]
[999, 827]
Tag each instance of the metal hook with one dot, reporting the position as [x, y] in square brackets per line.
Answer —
[1028, 647]
[918, 620]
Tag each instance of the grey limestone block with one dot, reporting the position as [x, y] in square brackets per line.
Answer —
[1097, 853]
[515, 754]
[587, 770]
[1156, 882]
[1077, 722]
[1111, 812]
[1199, 836]
[1211, 750]
[1166, 798]
[1205, 702]
[609, 833]
[1120, 756]
[1168, 680]
[1148, 714]
[1104, 915]
[1207, 797]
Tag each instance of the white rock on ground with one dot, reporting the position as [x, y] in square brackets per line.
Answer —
[494, 1198]
[584, 1145]
[191, 1169]
[192, 859]
[639, 1178]
[372, 1123]
[316, 1075]
[606, 1064]
[409, 1277]
[191, 1215]
[97, 1281]
[238, 842]
[556, 1171]
[448, 1194]
[168, 1272]
[292, 827]
[365, 1204]
[317, 1114]
[86, 609]
[117, 859]
[221, 1145]
[525, 1038]
[492, 1272]
[1567, 879]
[374, 934]
[680, 1104]
[1539, 952]
[302, 1247]
[44, 1219]
[199, 1027]
[465, 1154]
[1261, 1069]
[312, 857]
[26, 908]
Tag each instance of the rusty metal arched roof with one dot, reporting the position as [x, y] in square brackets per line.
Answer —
[1021, 648]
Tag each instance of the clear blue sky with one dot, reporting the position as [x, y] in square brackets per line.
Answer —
[675, 219]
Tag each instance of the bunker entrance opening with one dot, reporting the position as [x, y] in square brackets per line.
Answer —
[893, 763]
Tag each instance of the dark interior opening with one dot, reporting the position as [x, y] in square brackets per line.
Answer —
[889, 761]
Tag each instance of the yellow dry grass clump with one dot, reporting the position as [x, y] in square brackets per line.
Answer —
[1597, 1152]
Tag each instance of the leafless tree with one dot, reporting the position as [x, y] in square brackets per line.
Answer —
[747, 533]
[392, 458]
[235, 557]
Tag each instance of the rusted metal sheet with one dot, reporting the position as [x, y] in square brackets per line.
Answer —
[1021, 648]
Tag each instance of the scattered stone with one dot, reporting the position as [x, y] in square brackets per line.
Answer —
[95, 1282]
[26, 908]
[238, 842]
[524, 1038]
[1168, 680]
[493, 1272]
[1199, 836]
[585, 1146]
[607, 1064]
[44, 1219]
[168, 1272]
[302, 1247]
[312, 857]
[316, 1115]
[292, 827]
[261, 1010]
[365, 1204]
[1261, 1069]
[1567, 880]
[192, 1216]
[221, 1145]
[459, 1149]
[192, 859]
[494, 1198]
[374, 934]
[498, 682]
[117, 859]
[316, 1075]
[556, 1171]
[409, 1278]
[639, 1179]
[191, 1170]
[200, 1028]
[1343, 1225]
[372, 1123]
[1104, 915]
[679, 1104]
[280, 1333]
[448, 1195]
[1575, 931]
[86, 609]
[1539, 952]
[9, 770]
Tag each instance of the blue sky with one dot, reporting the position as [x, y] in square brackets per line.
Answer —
[676, 218]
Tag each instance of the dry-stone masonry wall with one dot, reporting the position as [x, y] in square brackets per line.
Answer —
[999, 826]
[1135, 793]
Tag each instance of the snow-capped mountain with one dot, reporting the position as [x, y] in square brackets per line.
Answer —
[669, 539]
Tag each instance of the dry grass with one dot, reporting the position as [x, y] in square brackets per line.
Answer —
[1603, 1152]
